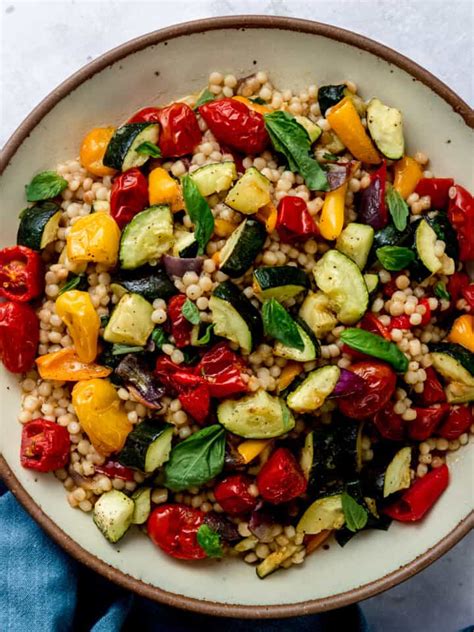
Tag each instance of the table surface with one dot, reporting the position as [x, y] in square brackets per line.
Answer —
[44, 42]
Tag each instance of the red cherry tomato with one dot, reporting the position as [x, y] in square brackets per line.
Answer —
[426, 317]
[380, 381]
[180, 327]
[457, 423]
[390, 425]
[433, 391]
[179, 130]
[19, 336]
[281, 478]
[233, 495]
[129, 196]
[146, 115]
[174, 527]
[426, 422]
[44, 446]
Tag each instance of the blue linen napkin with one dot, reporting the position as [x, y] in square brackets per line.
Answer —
[43, 589]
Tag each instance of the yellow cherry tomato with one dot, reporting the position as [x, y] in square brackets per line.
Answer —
[93, 149]
[65, 366]
[407, 174]
[77, 312]
[95, 237]
[462, 332]
[163, 189]
[331, 220]
[345, 121]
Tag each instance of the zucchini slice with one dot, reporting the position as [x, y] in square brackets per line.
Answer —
[142, 499]
[311, 393]
[148, 446]
[341, 280]
[121, 152]
[148, 236]
[372, 282]
[311, 349]
[251, 192]
[397, 474]
[453, 361]
[234, 316]
[185, 245]
[425, 239]
[241, 248]
[316, 314]
[256, 416]
[214, 178]
[457, 393]
[324, 513]
[113, 514]
[313, 130]
[355, 242]
[330, 95]
[39, 225]
[150, 282]
[385, 125]
[130, 322]
[273, 562]
[279, 282]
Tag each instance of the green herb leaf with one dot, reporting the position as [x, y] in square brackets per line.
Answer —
[278, 324]
[118, 349]
[197, 459]
[44, 186]
[159, 337]
[398, 208]
[375, 346]
[206, 337]
[206, 96]
[210, 541]
[356, 516]
[191, 312]
[291, 139]
[199, 212]
[149, 149]
[74, 282]
[395, 258]
[330, 157]
[441, 291]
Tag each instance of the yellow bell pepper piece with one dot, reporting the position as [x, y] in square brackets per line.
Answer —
[223, 228]
[462, 332]
[93, 150]
[268, 214]
[250, 449]
[95, 237]
[256, 107]
[100, 413]
[65, 366]
[346, 123]
[331, 221]
[288, 374]
[82, 321]
[163, 189]
[407, 175]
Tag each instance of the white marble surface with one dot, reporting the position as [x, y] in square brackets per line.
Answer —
[44, 42]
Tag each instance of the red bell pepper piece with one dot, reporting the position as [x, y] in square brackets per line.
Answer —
[468, 295]
[426, 317]
[114, 469]
[420, 497]
[129, 196]
[19, 336]
[236, 125]
[179, 130]
[180, 327]
[196, 402]
[21, 273]
[372, 208]
[232, 494]
[461, 216]
[390, 425]
[437, 189]
[433, 391]
[294, 221]
[457, 283]
[281, 478]
[44, 445]
[222, 369]
[146, 115]
[426, 422]
[457, 423]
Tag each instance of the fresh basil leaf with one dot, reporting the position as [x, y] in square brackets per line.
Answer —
[104, 319]
[355, 515]
[191, 312]
[375, 346]
[258, 101]
[197, 459]
[291, 139]
[441, 291]
[206, 96]
[210, 541]
[199, 212]
[159, 337]
[76, 281]
[398, 208]
[395, 258]
[206, 337]
[330, 157]
[278, 324]
[118, 349]
[149, 149]
[44, 186]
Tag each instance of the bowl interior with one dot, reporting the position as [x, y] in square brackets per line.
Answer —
[155, 75]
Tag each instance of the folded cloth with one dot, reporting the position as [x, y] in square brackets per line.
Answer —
[42, 589]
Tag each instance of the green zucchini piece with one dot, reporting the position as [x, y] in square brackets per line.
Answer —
[214, 178]
[185, 245]
[113, 514]
[372, 282]
[355, 242]
[385, 125]
[457, 393]
[242, 247]
[142, 499]
[273, 562]
[121, 152]
[311, 393]
[130, 322]
[311, 349]
[397, 475]
[341, 280]
[313, 130]
[279, 282]
[151, 282]
[147, 237]
[38, 225]
[256, 416]
[330, 95]
[251, 192]
[324, 513]
[453, 361]
[147, 446]
[316, 314]
[444, 230]
[234, 316]
[425, 240]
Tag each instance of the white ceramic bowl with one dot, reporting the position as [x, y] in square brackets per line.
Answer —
[155, 69]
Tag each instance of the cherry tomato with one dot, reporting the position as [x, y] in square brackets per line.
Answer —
[380, 382]
[21, 273]
[281, 478]
[129, 196]
[174, 527]
[390, 425]
[433, 391]
[233, 495]
[426, 422]
[179, 130]
[426, 317]
[457, 283]
[146, 115]
[44, 446]
[93, 149]
[457, 423]
[19, 336]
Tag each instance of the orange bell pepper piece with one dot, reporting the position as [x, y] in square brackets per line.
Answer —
[462, 332]
[313, 542]
[346, 123]
[65, 366]
[223, 228]
[268, 214]
[407, 175]
[256, 107]
[163, 189]
[93, 150]
[288, 374]
[331, 220]
[250, 449]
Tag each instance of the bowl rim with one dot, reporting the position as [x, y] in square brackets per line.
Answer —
[239, 22]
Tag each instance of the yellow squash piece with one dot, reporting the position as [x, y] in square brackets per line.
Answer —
[288, 374]
[331, 221]
[345, 121]
[100, 413]
[77, 312]
[65, 366]
[93, 149]
[256, 107]
[407, 174]
[163, 189]
[462, 332]
[95, 237]
[250, 449]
